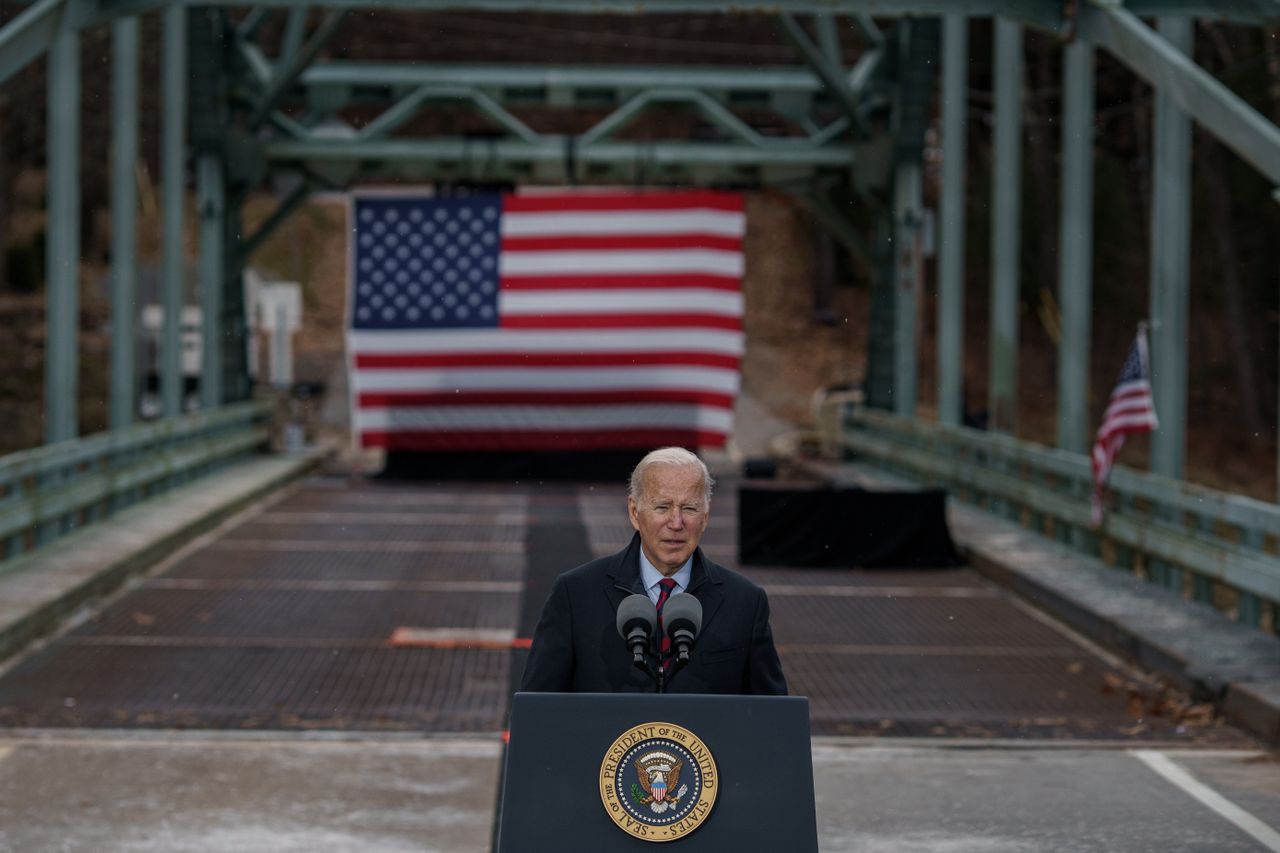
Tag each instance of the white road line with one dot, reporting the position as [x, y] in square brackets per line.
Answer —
[416, 519]
[869, 591]
[371, 546]
[161, 641]
[1226, 809]
[208, 584]
[4, 752]
[476, 744]
[937, 651]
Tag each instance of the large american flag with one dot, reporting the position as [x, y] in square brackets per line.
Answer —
[548, 321]
[1131, 410]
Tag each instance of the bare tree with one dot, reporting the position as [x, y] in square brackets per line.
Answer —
[1210, 160]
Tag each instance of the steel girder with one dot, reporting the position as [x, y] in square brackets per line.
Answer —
[312, 132]
[1219, 110]
[30, 34]
[1047, 14]
[315, 142]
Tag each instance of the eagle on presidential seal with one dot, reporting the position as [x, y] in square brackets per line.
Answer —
[659, 774]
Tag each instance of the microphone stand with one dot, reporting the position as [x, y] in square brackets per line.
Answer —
[678, 662]
[640, 660]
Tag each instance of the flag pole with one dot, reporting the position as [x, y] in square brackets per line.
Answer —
[1130, 409]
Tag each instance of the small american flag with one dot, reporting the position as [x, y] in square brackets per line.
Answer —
[549, 321]
[1131, 410]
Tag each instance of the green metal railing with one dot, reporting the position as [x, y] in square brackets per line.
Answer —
[1215, 547]
[48, 492]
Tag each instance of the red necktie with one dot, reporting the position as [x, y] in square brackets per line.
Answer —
[668, 586]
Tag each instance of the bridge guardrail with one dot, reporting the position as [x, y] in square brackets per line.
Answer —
[48, 492]
[1208, 545]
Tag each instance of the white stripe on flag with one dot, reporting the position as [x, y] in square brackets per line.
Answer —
[1131, 387]
[1112, 424]
[611, 261]
[698, 300]
[585, 341]
[561, 418]
[719, 380]
[721, 223]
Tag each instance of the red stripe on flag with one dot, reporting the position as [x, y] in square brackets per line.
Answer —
[373, 361]
[545, 235]
[621, 321]
[606, 242]
[643, 281]
[539, 440]
[386, 400]
[588, 201]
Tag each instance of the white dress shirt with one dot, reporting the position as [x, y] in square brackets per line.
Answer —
[651, 577]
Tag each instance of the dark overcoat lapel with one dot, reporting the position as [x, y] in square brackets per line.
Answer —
[576, 647]
[623, 578]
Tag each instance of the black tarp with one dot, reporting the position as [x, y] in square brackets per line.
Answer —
[844, 527]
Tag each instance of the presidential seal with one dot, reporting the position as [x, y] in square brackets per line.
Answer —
[658, 782]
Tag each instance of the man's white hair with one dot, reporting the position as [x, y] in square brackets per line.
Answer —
[670, 456]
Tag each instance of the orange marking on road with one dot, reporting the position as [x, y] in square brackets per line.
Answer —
[452, 638]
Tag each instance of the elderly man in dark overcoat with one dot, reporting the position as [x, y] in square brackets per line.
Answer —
[576, 646]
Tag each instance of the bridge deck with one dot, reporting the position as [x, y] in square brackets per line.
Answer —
[377, 606]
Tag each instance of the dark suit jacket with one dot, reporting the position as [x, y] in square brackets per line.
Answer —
[577, 649]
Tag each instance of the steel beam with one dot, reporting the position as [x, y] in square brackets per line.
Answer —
[1237, 11]
[831, 74]
[593, 77]
[711, 109]
[1041, 13]
[254, 60]
[552, 150]
[62, 253]
[1006, 228]
[1075, 254]
[1170, 267]
[295, 28]
[1188, 86]
[871, 35]
[865, 70]
[1046, 14]
[287, 205]
[828, 39]
[286, 75]
[410, 105]
[173, 153]
[252, 22]
[951, 278]
[211, 194]
[908, 272]
[29, 35]
[881, 346]
[124, 210]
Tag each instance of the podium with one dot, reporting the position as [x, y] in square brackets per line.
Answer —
[618, 772]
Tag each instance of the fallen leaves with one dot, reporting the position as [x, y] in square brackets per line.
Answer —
[1144, 701]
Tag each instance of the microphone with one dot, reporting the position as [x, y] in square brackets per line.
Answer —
[637, 620]
[682, 619]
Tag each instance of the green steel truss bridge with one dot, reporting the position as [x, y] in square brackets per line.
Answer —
[248, 110]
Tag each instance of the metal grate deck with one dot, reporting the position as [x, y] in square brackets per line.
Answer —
[284, 622]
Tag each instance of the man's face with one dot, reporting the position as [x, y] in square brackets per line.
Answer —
[670, 516]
